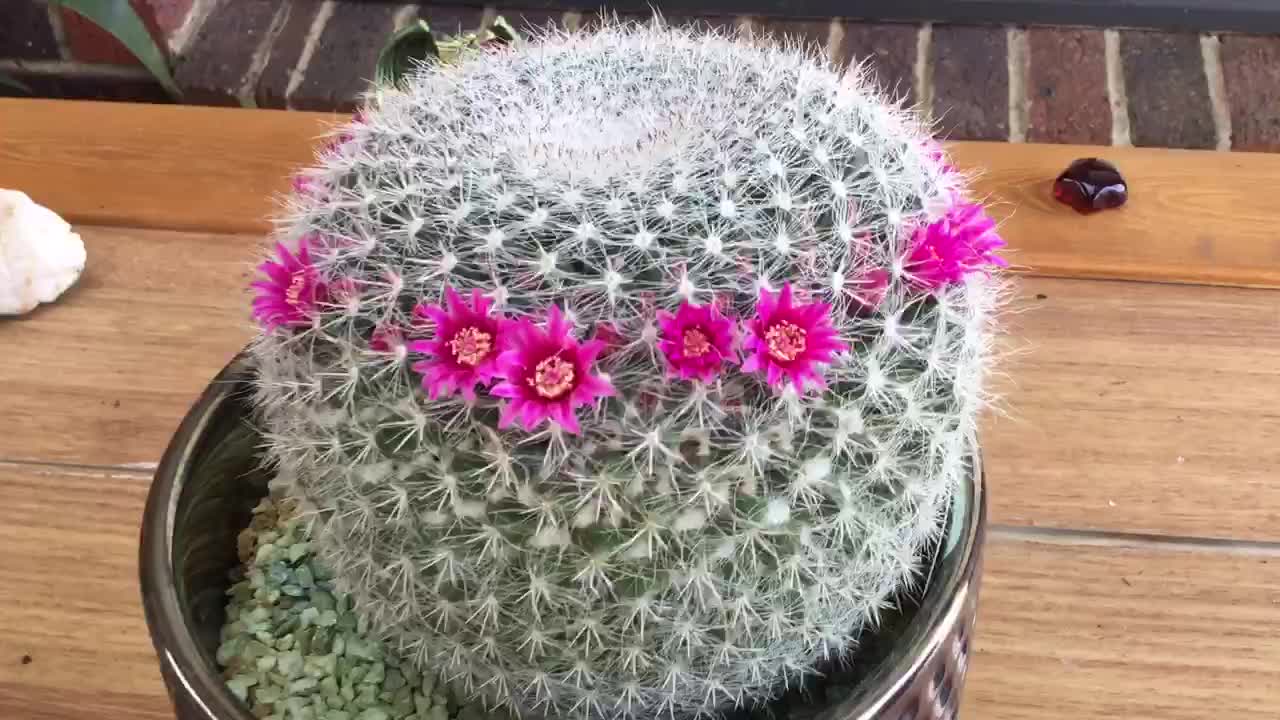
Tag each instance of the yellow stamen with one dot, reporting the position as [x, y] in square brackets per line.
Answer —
[786, 341]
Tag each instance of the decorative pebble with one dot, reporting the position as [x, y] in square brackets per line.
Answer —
[293, 649]
[1089, 185]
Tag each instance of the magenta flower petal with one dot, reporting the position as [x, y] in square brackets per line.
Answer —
[788, 341]
[547, 374]
[289, 295]
[961, 242]
[464, 350]
[389, 339]
[697, 341]
[869, 290]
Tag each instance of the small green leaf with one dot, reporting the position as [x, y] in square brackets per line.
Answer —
[502, 31]
[412, 45]
[14, 83]
[120, 19]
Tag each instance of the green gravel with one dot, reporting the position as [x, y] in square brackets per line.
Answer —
[292, 649]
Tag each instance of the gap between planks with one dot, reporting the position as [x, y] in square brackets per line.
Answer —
[143, 164]
[1052, 536]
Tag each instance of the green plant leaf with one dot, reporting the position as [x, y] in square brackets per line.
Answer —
[120, 19]
[411, 45]
[14, 82]
[502, 31]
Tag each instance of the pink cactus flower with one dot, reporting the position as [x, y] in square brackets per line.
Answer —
[789, 341]
[961, 242]
[697, 341]
[464, 351]
[938, 154]
[868, 290]
[547, 374]
[389, 339]
[291, 290]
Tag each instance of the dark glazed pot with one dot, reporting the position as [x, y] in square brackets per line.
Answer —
[208, 482]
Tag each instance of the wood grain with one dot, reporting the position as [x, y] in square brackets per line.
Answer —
[1064, 631]
[1138, 407]
[1194, 216]
[1141, 633]
[1110, 384]
[69, 597]
[181, 167]
[103, 376]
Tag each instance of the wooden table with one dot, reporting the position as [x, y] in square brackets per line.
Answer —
[1134, 562]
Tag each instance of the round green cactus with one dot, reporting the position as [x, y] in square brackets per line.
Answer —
[627, 374]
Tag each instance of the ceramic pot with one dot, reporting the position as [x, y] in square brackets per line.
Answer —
[209, 480]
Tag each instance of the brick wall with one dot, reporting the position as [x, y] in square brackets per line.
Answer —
[1057, 85]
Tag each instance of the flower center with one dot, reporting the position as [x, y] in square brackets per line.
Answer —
[786, 341]
[696, 343]
[470, 346]
[552, 377]
[297, 281]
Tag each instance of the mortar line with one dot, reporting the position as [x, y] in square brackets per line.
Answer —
[924, 72]
[196, 15]
[835, 41]
[405, 15]
[59, 31]
[1019, 56]
[308, 49]
[1211, 52]
[76, 68]
[247, 94]
[1121, 133]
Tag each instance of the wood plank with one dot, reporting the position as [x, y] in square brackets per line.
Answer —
[69, 591]
[181, 167]
[1065, 630]
[1194, 216]
[104, 376]
[1137, 407]
[1112, 384]
[1085, 631]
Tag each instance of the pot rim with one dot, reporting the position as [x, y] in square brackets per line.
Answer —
[192, 670]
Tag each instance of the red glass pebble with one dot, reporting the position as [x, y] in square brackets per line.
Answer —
[1089, 185]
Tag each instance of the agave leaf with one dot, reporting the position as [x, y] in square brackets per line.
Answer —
[15, 83]
[120, 19]
[408, 47]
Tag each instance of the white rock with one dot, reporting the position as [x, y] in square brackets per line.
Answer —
[40, 257]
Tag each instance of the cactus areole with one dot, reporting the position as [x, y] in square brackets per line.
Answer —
[626, 374]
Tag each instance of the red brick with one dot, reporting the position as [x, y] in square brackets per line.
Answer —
[812, 33]
[889, 49]
[722, 23]
[524, 21]
[1251, 71]
[216, 60]
[90, 43]
[170, 14]
[971, 82]
[1168, 92]
[273, 83]
[704, 23]
[25, 33]
[1067, 87]
[342, 67]
[447, 20]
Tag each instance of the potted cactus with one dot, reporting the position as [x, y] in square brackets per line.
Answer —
[617, 375]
